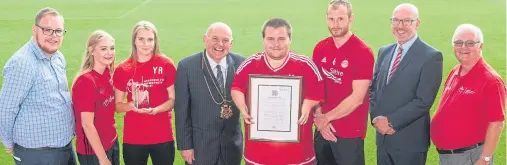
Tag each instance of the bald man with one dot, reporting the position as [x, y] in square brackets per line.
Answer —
[208, 131]
[404, 86]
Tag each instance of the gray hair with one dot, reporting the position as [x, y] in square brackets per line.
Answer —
[468, 28]
[218, 25]
[46, 11]
[408, 6]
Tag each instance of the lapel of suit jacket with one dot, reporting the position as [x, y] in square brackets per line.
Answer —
[407, 59]
[231, 69]
[386, 64]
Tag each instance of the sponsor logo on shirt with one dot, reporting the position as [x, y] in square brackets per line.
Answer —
[333, 74]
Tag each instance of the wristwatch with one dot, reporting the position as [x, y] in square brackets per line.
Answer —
[486, 158]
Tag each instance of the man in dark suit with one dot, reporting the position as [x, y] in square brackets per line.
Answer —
[208, 131]
[406, 81]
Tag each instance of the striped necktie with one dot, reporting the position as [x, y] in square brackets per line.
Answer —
[396, 62]
[220, 78]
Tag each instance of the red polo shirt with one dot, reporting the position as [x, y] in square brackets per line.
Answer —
[467, 105]
[279, 153]
[157, 74]
[93, 92]
[340, 67]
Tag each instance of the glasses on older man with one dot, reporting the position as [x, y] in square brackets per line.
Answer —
[50, 32]
[405, 22]
[467, 43]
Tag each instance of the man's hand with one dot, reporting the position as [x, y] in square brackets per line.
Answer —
[188, 155]
[481, 161]
[8, 150]
[304, 116]
[105, 162]
[327, 133]
[321, 121]
[382, 125]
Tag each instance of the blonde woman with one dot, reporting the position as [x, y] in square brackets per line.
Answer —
[147, 78]
[93, 101]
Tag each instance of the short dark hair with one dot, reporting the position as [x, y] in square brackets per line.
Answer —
[276, 23]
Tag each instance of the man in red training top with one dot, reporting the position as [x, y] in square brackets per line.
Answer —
[277, 59]
[346, 63]
[469, 120]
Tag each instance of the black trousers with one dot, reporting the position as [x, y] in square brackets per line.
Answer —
[346, 151]
[387, 156]
[53, 156]
[161, 154]
[113, 154]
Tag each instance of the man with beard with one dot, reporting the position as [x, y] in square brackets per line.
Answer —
[346, 62]
[405, 83]
[36, 116]
[278, 60]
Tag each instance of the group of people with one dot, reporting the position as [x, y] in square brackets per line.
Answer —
[341, 85]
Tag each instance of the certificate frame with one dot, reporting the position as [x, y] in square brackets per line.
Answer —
[258, 108]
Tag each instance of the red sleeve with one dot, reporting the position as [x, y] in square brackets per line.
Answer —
[119, 80]
[83, 95]
[494, 96]
[240, 81]
[364, 68]
[315, 56]
[313, 84]
[170, 74]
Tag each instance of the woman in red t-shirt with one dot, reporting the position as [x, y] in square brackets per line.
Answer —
[93, 101]
[147, 78]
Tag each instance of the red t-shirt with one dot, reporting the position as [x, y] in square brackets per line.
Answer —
[352, 61]
[279, 153]
[93, 92]
[467, 105]
[157, 75]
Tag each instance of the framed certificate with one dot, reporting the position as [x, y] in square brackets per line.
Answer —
[274, 105]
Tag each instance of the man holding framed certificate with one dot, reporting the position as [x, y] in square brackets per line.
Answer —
[275, 90]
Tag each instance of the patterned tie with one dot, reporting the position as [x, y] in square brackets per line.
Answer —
[220, 78]
[396, 63]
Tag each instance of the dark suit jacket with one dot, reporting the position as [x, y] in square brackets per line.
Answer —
[198, 122]
[407, 98]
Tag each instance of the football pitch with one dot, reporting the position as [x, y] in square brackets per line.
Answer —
[181, 24]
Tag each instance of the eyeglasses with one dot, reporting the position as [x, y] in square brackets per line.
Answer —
[49, 32]
[467, 43]
[406, 22]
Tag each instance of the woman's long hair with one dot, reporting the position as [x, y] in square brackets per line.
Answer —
[148, 26]
[88, 60]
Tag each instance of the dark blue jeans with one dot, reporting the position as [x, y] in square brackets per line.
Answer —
[44, 156]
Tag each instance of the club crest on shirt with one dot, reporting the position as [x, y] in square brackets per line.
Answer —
[345, 63]
[334, 61]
